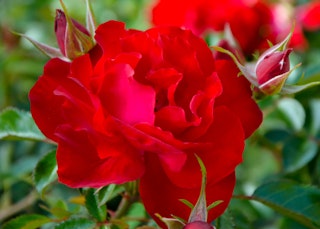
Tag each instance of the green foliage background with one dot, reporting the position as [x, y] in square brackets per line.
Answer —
[278, 183]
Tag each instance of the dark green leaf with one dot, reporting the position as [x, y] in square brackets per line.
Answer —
[27, 222]
[288, 223]
[277, 135]
[226, 221]
[45, 171]
[76, 223]
[297, 152]
[18, 124]
[298, 202]
[92, 204]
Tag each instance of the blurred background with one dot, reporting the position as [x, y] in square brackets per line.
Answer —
[286, 145]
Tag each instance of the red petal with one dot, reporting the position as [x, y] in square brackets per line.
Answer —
[220, 149]
[80, 164]
[161, 196]
[237, 96]
[48, 116]
[124, 98]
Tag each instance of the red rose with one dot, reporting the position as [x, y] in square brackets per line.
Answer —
[308, 15]
[251, 23]
[140, 105]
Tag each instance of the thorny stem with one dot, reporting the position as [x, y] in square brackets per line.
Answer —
[124, 205]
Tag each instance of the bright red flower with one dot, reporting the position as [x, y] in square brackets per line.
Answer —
[308, 15]
[251, 22]
[141, 105]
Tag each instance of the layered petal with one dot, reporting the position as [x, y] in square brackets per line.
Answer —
[237, 96]
[160, 196]
[48, 117]
[88, 159]
[219, 156]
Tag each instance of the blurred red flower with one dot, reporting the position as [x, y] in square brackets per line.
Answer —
[251, 22]
[139, 106]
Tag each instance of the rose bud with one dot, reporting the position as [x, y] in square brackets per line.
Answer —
[270, 72]
[198, 225]
[73, 38]
[272, 65]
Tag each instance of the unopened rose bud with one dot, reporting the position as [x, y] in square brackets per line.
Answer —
[269, 73]
[272, 70]
[73, 38]
[198, 225]
[273, 65]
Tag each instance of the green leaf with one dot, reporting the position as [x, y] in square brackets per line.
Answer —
[18, 124]
[293, 111]
[226, 221]
[288, 223]
[135, 212]
[214, 204]
[59, 210]
[45, 172]
[76, 223]
[298, 202]
[315, 116]
[292, 89]
[32, 221]
[92, 204]
[297, 152]
[188, 203]
[171, 223]
[109, 192]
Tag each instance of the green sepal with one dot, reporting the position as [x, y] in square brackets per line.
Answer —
[171, 223]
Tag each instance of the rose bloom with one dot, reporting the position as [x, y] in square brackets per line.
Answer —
[140, 105]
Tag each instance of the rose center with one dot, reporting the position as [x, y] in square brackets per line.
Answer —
[161, 100]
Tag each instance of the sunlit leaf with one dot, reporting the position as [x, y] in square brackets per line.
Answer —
[293, 111]
[17, 124]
